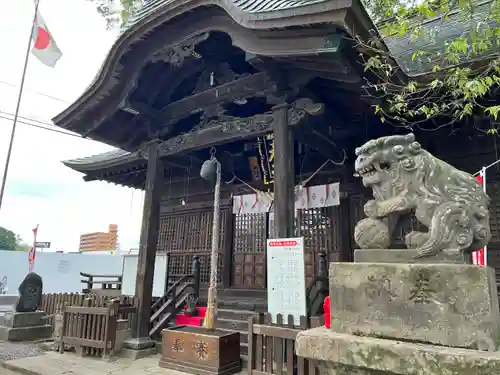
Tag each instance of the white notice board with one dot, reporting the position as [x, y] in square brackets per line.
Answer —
[286, 285]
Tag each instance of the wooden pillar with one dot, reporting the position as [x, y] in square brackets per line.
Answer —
[147, 250]
[284, 173]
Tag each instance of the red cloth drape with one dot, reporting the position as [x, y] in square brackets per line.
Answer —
[326, 311]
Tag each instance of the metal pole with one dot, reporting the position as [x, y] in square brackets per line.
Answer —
[18, 105]
[488, 166]
[483, 175]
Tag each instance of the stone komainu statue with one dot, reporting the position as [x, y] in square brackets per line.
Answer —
[406, 178]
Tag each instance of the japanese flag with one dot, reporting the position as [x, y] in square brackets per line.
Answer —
[44, 46]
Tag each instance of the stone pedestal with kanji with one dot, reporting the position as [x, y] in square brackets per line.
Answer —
[398, 318]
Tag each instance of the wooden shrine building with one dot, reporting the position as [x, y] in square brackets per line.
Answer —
[275, 88]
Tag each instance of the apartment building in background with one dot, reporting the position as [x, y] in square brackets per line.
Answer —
[100, 241]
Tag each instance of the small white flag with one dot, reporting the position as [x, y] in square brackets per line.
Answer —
[44, 48]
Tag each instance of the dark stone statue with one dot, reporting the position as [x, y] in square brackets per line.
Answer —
[30, 293]
[404, 179]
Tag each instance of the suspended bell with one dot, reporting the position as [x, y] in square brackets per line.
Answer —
[209, 168]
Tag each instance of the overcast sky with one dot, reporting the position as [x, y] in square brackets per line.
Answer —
[40, 189]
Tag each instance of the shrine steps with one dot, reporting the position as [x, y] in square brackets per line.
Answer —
[234, 320]
[235, 306]
[238, 299]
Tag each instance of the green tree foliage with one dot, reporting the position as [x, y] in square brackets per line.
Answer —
[11, 241]
[463, 67]
[116, 12]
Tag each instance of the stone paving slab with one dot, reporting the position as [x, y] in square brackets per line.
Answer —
[52, 363]
[4, 371]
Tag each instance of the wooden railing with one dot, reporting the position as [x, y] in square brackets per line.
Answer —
[90, 330]
[318, 289]
[53, 303]
[109, 284]
[271, 347]
[174, 299]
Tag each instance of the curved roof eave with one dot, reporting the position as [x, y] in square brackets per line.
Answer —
[255, 14]
[108, 159]
[403, 47]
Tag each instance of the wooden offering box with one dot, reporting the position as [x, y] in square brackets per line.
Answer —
[200, 351]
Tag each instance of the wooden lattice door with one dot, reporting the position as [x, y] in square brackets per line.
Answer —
[188, 234]
[249, 250]
[321, 231]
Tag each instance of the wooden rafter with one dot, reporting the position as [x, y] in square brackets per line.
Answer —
[242, 88]
[236, 129]
[318, 140]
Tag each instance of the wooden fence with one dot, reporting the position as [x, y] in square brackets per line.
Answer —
[53, 303]
[110, 285]
[90, 330]
[271, 346]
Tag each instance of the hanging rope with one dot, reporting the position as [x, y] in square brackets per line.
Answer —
[209, 321]
[302, 184]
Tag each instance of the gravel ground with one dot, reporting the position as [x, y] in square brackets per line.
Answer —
[9, 351]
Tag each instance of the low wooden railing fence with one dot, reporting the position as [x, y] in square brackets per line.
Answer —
[53, 303]
[90, 330]
[110, 285]
[271, 346]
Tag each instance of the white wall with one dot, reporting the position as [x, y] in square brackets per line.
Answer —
[130, 274]
[60, 272]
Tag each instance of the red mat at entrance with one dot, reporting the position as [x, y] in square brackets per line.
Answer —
[184, 320]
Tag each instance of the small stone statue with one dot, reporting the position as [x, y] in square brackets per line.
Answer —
[407, 179]
[30, 293]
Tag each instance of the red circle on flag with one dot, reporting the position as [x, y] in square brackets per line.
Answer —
[42, 38]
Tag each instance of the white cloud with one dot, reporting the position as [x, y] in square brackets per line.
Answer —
[40, 189]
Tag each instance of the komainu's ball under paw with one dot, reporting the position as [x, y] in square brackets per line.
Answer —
[372, 234]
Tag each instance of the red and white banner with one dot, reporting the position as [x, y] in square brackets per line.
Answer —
[479, 256]
[305, 198]
[32, 252]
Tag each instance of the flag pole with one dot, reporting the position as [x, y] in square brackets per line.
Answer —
[32, 254]
[18, 105]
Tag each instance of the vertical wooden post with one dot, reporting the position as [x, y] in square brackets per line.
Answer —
[284, 173]
[196, 272]
[147, 250]
[346, 237]
[167, 274]
[228, 248]
[322, 264]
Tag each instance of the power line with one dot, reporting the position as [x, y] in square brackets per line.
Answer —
[40, 125]
[36, 92]
[43, 127]
[28, 118]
